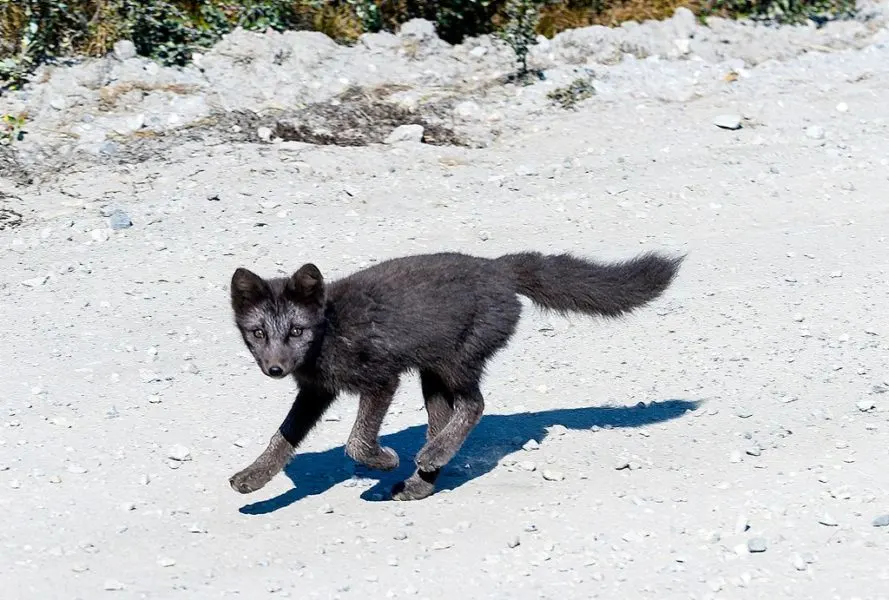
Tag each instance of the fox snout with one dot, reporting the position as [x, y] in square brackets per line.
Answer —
[275, 367]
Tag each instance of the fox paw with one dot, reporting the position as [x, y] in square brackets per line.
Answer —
[416, 487]
[384, 459]
[248, 480]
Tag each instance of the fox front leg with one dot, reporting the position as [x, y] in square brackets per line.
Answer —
[363, 444]
[306, 411]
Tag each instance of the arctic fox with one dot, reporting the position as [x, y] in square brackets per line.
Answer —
[443, 315]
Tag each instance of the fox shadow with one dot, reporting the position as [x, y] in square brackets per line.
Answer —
[495, 437]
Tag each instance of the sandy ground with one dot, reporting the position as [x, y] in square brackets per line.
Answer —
[729, 441]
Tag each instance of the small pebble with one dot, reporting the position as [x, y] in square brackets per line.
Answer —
[119, 220]
[553, 475]
[99, 235]
[881, 521]
[405, 133]
[815, 132]
[178, 452]
[264, 134]
[756, 544]
[866, 405]
[728, 121]
[828, 520]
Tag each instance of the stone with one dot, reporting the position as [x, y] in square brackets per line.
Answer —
[124, 50]
[881, 521]
[815, 132]
[264, 134]
[728, 121]
[866, 405]
[419, 29]
[828, 520]
[405, 133]
[553, 475]
[119, 220]
[179, 453]
[756, 545]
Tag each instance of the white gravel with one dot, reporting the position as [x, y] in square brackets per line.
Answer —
[747, 407]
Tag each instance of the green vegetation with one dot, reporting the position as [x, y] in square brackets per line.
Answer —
[12, 128]
[37, 31]
[577, 91]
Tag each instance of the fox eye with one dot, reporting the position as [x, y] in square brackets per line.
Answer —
[258, 334]
[296, 331]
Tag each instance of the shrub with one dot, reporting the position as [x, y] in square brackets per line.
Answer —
[37, 31]
[520, 30]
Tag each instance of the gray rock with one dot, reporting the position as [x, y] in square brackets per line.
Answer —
[108, 148]
[530, 445]
[405, 133]
[420, 29]
[468, 110]
[881, 521]
[684, 22]
[728, 121]
[828, 520]
[119, 220]
[815, 132]
[264, 134]
[553, 475]
[124, 50]
[179, 453]
[866, 405]
[757, 544]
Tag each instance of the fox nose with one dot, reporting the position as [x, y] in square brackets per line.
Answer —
[276, 371]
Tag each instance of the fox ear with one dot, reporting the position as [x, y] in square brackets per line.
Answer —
[247, 290]
[306, 286]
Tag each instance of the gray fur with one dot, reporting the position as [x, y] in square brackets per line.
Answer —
[443, 315]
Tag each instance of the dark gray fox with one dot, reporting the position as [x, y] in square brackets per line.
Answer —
[443, 315]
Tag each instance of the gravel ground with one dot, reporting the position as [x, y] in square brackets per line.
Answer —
[729, 441]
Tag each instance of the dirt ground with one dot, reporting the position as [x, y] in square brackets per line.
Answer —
[729, 441]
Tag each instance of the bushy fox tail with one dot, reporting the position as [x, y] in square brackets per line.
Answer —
[565, 283]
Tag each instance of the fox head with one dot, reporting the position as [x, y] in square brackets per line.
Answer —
[281, 319]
